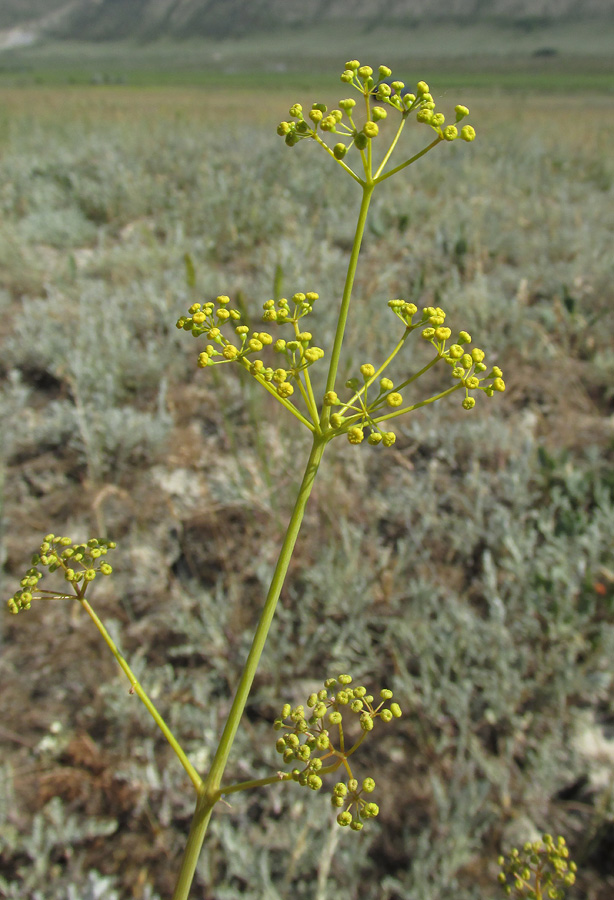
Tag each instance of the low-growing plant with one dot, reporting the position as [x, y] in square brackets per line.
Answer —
[318, 741]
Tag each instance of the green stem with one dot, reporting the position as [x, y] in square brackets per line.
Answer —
[307, 390]
[408, 409]
[340, 161]
[210, 792]
[138, 690]
[383, 366]
[367, 191]
[403, 385]
[269, 387]
[408, 162]
[198, 829]
[254, 782]
[390, 149]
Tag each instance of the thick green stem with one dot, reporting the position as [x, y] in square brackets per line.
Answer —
[198, 829]
[210, 793]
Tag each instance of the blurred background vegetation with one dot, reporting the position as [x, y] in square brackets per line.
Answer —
[470, 568]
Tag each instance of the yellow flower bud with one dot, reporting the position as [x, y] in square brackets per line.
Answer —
[394, 400]
[285, 389]
[425, 116]
[442, 333]
[366, 722]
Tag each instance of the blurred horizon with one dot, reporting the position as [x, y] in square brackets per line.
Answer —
[26, 21]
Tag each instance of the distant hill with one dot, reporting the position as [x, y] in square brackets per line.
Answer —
[101, 20]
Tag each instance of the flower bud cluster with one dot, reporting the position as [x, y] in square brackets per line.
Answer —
[468, 366]
[382, 89]
[362, 414]
[540, 869]
[80, 564]
[209, 318]
[315, 736]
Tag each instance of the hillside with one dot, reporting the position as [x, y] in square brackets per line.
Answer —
[150, 19]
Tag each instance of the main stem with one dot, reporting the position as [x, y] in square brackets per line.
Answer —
[367, 191]
[209, 793]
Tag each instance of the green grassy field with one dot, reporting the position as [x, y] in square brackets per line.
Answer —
[471, 567]
[570, 56]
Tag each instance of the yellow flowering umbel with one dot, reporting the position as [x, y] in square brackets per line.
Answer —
[296, 354]
[377, 399]
[380, 94]
[314, 742]
[79, 563]
[540, 871]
